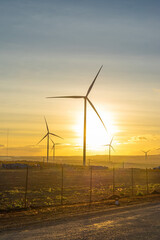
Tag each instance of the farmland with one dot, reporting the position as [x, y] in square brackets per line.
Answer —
[54, 184]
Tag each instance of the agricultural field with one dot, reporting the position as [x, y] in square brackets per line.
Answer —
[51, 185]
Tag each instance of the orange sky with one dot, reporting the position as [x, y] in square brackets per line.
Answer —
[56, 49]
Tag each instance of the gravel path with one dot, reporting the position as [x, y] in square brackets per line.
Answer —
[135, 222]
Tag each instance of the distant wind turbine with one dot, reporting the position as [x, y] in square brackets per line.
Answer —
[54, 148]
[47, 135]
[146, 154]
[85, 112]
[110, 147]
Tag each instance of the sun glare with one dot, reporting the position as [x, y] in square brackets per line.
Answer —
[97, 136]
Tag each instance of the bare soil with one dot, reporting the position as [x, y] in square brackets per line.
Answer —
[14, 219]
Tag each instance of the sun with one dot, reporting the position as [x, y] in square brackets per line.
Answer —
[97, 136]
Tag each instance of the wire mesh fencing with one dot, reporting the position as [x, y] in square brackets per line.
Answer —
[61, 185]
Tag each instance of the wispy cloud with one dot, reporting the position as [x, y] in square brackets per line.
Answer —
[142, 138]
[136, 139]
[25, 149]
[156, 90]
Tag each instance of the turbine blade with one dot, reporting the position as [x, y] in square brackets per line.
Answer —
[93, 82]
[55, 135]
[97, 113]
[111, 140]
[112, 148]
[52, 148]
[52, 141]
[43, 138]
[146, 151]
[46, 124]
[67, 97]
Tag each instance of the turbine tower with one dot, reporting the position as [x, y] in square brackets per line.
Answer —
[47, 135]
[110, 147]
[86, 99]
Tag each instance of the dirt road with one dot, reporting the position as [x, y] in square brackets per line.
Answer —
[132, 222]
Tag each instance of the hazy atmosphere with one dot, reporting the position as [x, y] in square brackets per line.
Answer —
[79, 119]
[52, 48]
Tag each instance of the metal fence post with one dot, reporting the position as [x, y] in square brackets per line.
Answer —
[147, 181]
[132, 179]
[26, 189]
[90, 199]
[113, 180]
[62, 187]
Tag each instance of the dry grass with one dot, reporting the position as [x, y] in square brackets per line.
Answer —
[45, 185]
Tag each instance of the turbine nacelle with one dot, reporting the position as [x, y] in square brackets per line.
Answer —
[48, 132]
[110, 146]
[146, 152]
[54, 144]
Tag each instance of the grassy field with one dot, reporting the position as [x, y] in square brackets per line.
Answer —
[52, 184]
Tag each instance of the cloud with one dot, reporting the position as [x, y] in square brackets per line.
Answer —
[156, 90]
[142, 138]
[136, 139]
[25, 149]
[29, 150]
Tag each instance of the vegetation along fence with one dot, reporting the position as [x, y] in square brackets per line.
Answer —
[60, 185]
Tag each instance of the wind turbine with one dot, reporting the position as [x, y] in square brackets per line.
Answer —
[54, 148]
[47, 135]
[86, 99]
[110, 147]
[146, 154]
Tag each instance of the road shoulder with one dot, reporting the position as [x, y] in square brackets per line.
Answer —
[30, 217]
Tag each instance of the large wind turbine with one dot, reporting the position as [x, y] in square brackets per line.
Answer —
[110, 147]
[47, 135]
[85, 112]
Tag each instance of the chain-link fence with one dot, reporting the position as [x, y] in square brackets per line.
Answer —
[60, 185]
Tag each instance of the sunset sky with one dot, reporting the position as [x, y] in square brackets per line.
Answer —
[51, 48]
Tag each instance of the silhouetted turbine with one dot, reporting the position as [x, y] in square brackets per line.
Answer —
[54, 148]
[146, 154]
[110, 146]
[85, 112]
[47, 135]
